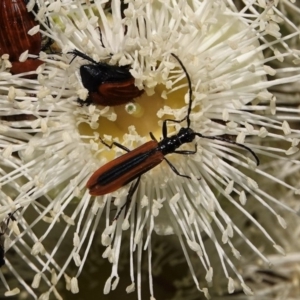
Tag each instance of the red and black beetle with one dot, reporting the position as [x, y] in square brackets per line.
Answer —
[15, 22]
[108, 85]
[133, 164]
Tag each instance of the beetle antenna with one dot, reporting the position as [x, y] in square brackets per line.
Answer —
[76, 53]
[230, 142]
[188, 121]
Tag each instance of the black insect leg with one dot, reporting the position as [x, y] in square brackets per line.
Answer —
[101, 37]
[4, 227]
[186, 152]
[175, 170]
[164, 127]
[152, 137]
[114, 144]
[86, 102]
[10, 217]
[131, 192]
[76, 53]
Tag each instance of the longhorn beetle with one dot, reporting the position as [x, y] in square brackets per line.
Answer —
[107, 85]
[135, 163]
[3, 227]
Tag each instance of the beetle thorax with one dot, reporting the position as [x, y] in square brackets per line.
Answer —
[170, 144]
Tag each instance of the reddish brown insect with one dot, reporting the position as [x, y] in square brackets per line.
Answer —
[115, 93]
[135, 163]
[15, 22]
[111, 177]
[107, 85]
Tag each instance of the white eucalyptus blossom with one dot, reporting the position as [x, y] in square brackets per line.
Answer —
[281, 281]
[58, 138]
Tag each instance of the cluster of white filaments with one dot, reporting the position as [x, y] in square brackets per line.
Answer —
[49, 154]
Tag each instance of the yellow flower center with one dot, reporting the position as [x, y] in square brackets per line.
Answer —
[140, 113]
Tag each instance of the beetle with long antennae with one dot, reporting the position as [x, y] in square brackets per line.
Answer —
[135, 163]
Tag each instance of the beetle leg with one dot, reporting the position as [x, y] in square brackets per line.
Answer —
[175, 170]
[4, 226]
[11, 215]
[100, 34]
[186, 152]
[76, 53]
[114, 144]
[86, 102]
[152, 137]
[164, 127]
[131, 191]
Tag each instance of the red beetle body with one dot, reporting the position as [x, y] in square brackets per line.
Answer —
[15, 22]
[108, 85]
[101, 182]
[115, 93]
